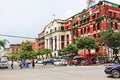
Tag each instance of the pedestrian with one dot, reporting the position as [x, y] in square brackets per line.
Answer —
[20, 64]
[33, 63]
[12, 63]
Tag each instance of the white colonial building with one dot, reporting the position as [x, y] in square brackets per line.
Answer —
[56, 37]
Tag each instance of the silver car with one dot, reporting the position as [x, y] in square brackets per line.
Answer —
[61, 62]
[4, 62]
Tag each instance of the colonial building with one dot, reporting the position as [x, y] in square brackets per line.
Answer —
[15, 49]
[89, 22]
[53, 37]
[92, 21]
[41, 40]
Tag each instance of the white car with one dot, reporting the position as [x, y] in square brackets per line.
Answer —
[40, 61]
[4, 62]
[61, 62]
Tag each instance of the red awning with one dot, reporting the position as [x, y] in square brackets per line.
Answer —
[86, 56]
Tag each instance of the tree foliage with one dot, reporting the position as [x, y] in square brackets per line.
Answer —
[3, 43]
[86, 43]
[27, 46]
[71, 48]
[46, 52]
[111, 39]
[27, 51]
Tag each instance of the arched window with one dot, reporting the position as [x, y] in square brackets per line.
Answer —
[55, 28]
[62, 28]
[116, 26]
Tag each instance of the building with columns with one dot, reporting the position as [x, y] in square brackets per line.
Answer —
[90, 22]
[55, 36]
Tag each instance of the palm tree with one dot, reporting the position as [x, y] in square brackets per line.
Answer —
[3, 43]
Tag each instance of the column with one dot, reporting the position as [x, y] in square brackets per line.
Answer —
[65, 41]
[70, 39]
[46, 40]
[58, 42]
[53, 43]
[48, 44]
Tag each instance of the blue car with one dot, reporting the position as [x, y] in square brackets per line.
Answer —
[113, 71]
[51, 61]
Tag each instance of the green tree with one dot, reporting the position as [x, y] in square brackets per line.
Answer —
[40, 53]
[86, 43]
[71, 48]
[46, 52]
[3, 43]
[27, 51]
[27, 46]
[32, 54]
[111, 39]
[12, 57]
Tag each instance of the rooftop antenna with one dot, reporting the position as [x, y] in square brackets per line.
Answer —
[90, 3]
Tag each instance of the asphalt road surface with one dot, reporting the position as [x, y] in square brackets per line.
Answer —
[50, 72]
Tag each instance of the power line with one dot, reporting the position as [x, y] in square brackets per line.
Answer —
[17, 36]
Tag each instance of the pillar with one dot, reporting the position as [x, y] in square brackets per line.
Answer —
[70, 39]
[58, 42]
[53, 43]
[48, 44]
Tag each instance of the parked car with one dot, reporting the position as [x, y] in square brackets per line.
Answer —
[40, 61]
[61, 62]
[113, 71]
[51, 61]
[4, 62]
[36, 60]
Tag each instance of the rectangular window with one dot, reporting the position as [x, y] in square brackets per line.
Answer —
[84, 30]
[88, 29]
[110, 13]
[94, 27]
[81, 31]
[94, 35]
[116, 26]
[98, 35]
[76, 33]
[114, 14]
[98, 26]
[111, 24]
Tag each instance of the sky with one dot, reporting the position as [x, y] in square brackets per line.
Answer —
[28, 17]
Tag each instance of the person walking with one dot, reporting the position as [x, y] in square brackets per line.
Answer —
[33, 63]
[20, 64]
[12, 63]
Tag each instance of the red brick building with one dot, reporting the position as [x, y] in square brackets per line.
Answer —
[89, 22]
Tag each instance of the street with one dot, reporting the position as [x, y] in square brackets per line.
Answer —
[50, 72]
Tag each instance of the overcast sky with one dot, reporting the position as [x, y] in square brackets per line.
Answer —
[29, 17]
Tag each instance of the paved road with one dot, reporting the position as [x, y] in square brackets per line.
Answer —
[51, 72]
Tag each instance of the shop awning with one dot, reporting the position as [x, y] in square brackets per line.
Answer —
[86, 56]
